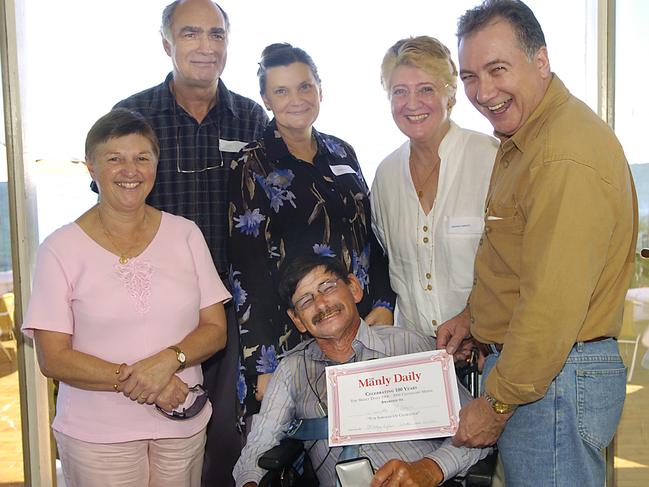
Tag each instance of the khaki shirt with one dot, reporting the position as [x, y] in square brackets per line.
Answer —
[557, 252]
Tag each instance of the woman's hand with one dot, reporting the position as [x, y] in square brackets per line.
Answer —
[173, 394]
[380, 316]
[144, 380]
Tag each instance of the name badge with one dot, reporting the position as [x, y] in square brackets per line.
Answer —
[231, 145]
[460, 225]
[341, 169]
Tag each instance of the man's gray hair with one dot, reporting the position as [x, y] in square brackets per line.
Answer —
[168, 14]
[527, 29]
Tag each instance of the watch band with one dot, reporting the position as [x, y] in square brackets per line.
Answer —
[498, 406]
[180, 356]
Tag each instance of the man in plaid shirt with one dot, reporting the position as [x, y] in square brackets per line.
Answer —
[201, 126]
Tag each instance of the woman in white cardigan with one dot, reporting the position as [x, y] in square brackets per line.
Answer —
[428, 195]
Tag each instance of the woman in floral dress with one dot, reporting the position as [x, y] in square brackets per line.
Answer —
[294, 191]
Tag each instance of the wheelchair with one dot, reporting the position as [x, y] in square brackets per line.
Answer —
[288, 463]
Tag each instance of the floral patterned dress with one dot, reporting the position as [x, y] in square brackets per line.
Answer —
[282, 206]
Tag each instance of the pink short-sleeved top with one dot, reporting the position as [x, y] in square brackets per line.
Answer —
[123, 313]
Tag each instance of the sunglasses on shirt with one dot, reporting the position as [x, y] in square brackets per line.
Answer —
[187, 413]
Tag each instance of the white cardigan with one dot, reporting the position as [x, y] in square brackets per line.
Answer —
[431, 256]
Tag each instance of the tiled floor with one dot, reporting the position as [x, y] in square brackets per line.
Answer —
[632, 440]
[11, 465]
[632, 454]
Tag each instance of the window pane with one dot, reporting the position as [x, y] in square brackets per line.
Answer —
[631, 121]
[11, 453]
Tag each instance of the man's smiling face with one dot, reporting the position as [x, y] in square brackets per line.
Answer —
[499, 79]
[331, 316]
[198, 43]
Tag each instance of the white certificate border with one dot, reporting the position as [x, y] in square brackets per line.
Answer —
[450, 387]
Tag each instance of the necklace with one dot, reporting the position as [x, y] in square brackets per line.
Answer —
[420, 191]
[123, 255]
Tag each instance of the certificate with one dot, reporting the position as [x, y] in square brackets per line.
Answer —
[408, 397]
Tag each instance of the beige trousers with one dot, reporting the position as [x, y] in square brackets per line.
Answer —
[167, 462]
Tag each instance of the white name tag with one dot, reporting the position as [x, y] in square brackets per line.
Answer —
[231, 145]
[341, 169]
[464, 225]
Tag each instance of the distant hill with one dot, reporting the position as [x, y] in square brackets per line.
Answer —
[641, 178]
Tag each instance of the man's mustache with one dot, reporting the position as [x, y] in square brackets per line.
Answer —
[326, 312]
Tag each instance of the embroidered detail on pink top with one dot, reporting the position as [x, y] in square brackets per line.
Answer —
[136, 277]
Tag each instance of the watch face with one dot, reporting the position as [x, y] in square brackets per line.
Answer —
[181, 357]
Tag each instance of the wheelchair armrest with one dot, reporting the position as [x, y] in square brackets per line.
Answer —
[282, 455]
[481, 474]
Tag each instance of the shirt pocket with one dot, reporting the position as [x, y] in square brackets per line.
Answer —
[503, 220]
[600, 398]
[461, 243]
[504, 228]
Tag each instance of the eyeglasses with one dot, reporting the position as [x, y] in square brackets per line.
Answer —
[198, 164]
[324, 288]
[196, 407]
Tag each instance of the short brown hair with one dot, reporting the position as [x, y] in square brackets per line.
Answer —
[119, 123]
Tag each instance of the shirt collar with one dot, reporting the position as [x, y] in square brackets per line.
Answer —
[556, 94]
[276, 147]
[449, 140]
[164, 100]
[366, 340]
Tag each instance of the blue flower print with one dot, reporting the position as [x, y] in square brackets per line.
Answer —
[382, 304]
[267, 361]
[282, 178]
[275, 196]
[249, 222]
[334, 147]
[242, 388]
[361, 266]
[275, 186]
[261, 181]
[323, 250]
[239, 294]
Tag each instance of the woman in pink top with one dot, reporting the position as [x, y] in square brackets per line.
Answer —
[126, 304]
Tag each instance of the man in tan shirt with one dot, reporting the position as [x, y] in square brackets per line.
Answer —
[553, 264]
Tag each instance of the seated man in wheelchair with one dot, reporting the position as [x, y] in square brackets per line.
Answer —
[321, 299]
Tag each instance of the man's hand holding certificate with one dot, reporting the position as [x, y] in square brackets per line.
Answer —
[398, 398]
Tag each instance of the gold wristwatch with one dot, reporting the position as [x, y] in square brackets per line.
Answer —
[497, 406]
[180, 356]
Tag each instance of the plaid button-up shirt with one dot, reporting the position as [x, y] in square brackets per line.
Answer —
[195, 157]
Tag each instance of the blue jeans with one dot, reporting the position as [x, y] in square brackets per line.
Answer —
[558, 441]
